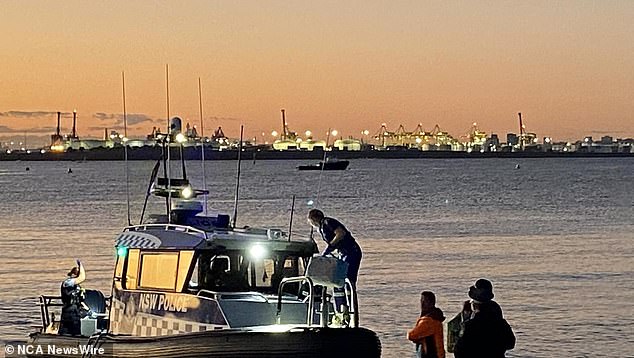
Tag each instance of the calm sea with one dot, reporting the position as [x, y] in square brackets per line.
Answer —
[556, 237]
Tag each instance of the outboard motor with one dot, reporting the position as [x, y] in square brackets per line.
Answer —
[96, 301]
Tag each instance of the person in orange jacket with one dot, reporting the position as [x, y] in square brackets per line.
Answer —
[428, 332]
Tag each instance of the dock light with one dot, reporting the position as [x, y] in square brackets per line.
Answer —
[308, 133]
[180, 138]
[187, 192]
[365, 132]
[274, 133]
[257, 252]
[122, 251]
[334, 132]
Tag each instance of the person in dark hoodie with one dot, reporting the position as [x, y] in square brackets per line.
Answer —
[428, 332]
[486, 333]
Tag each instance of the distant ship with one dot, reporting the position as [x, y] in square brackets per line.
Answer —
[327, 165]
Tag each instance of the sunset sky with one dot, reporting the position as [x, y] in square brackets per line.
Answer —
[568, 66]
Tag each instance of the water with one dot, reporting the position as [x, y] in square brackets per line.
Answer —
[555, 237]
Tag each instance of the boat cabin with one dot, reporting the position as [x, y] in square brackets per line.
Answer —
[193, 280]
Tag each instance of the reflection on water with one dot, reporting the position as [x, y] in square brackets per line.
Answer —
[555, 237]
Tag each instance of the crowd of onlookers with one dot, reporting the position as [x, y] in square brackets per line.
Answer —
[480, 330]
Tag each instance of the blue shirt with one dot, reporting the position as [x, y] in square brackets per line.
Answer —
[347, 245]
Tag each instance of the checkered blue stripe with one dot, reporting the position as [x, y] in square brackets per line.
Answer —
[138, 240]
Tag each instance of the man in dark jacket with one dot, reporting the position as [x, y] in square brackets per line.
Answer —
[486, 334]
[339, 239]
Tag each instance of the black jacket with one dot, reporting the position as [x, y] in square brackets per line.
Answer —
[485, 335]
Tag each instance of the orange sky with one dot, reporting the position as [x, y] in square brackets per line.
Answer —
[568, 66]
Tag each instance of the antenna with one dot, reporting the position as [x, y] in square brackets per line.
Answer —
[235, 206]
[290, 224]
[202, 140]
[149, 187]
[166, 165]
[321, 171]
[125, 148]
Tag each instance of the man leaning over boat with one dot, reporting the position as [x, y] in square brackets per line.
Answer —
[338, 238]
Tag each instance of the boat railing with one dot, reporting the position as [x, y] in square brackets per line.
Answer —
[232, 295]
[166, 227]
[309, 298]
[350, 296]
[45, 302]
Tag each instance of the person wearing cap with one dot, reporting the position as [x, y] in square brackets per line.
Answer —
[428, 332]
[73, 299]
[338, 239]
[485, 333]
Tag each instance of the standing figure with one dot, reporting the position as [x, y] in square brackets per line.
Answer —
[339, 239]
[486, 333]
[428, 332]
[73, 299]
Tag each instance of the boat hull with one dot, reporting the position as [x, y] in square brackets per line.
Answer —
[300, 342]
[334, 165]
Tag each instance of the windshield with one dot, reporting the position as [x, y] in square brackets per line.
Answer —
[235, 271]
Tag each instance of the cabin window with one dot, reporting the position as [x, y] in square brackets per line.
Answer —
[193, 280]
[262, 272]
[132, 270]
[158, 270]
[185, 259]
[293, 266]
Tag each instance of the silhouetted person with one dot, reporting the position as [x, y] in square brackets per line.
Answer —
[486, 333]
[428, 332]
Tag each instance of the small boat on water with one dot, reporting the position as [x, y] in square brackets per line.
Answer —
[190, 285]
[327, 165]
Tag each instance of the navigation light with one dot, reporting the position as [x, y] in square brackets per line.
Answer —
[187, 192]
[122, 251]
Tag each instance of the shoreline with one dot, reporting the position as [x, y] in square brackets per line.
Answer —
[250, 154]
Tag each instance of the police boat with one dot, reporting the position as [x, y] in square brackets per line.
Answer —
[189, 285]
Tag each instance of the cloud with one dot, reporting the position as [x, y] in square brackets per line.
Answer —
[606, 132]
[222, 119]
[132, 118]
[5, 129]
[33, 114]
